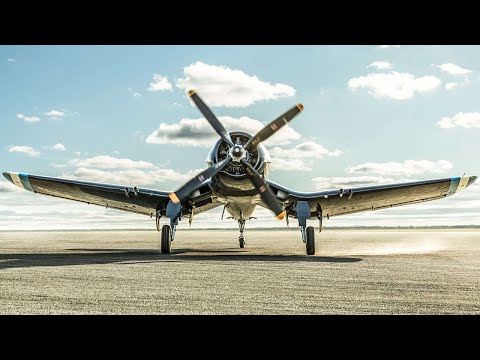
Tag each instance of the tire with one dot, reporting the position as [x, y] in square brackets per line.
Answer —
[310, 241]
[166, 239]
[242, 242]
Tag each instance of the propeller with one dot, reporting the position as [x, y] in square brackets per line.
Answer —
[264, 191]
[274, 126]
[211, 118]
[238, 153]
[190, 186]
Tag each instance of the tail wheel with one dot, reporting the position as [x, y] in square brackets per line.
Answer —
[310, 241]
[166, 239]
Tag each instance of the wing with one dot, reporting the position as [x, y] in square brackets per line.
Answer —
[129, 198]
[348, 201]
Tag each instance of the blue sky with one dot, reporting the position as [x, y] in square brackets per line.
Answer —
[373, 114]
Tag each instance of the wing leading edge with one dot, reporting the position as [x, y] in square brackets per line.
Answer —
[129, 198]
[352, 200]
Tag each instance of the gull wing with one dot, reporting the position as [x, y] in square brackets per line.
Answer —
[130, 198]
[352, 200]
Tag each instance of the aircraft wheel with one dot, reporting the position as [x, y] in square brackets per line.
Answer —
[241, 240]
[310, 241]
[166, 239]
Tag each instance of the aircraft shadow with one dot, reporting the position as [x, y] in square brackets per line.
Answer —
[82, 256]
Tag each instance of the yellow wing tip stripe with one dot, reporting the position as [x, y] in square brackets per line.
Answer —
[281, 215]
[191, 92]
[300, 107]
[463, 183]
[16, 180]
[174, 198]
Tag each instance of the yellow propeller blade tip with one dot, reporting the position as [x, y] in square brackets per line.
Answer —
[174, 198]
[281, 215]
[191, 92]
[300, 107]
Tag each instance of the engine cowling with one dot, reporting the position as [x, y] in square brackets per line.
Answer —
[258, 157]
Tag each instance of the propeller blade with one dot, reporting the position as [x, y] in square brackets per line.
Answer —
[265, 192]
[190, 186]
[211, 118]
[274, 126]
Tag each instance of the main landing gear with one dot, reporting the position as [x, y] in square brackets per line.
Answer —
[308, 237]
[174, 213]
[168, 234]
[302, 210]
[166, 240]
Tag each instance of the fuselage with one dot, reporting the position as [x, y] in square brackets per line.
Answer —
[231, 185]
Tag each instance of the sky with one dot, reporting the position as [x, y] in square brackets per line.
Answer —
[373, 114]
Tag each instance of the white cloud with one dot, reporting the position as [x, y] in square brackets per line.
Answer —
[394, 85]
[59, 147]
[198, 132]
[453, 69]
[380, 65]
[30, 119]
[307, 149]
[78, 153]
[24, 149]
[159, 83]
[11, 60]
[55, 114]
[326, 183]
[138, 177]
[465, 120]
[455, 84]
[388, 46]
[6, 186]
[446, 123]
[279, 164]
[109, 162]
[46, 212]
[135, 93]
[451, 85]
[406, 168]
[224, 86]
[107, 169]
[58, 166]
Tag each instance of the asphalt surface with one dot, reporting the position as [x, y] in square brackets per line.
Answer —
[354, 272]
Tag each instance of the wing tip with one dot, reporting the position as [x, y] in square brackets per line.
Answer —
[460, 183]
[471, 180]
[300, 107]
[281, 215]
[18, 179]
[7, 176]
[191, 92]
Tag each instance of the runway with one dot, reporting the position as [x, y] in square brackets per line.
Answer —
[354, 272]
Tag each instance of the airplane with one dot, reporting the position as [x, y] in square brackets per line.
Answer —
[236, 177]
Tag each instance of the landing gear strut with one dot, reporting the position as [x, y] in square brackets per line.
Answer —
[241, 238]
[173, 212]
[308, 235]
